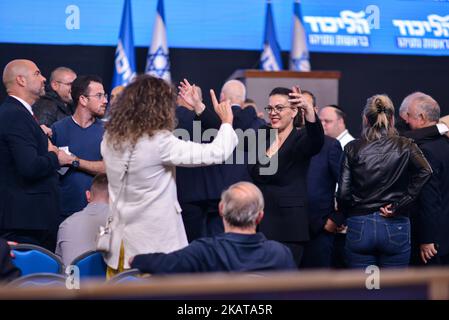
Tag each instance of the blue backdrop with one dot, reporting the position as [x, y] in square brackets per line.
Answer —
[362, 26]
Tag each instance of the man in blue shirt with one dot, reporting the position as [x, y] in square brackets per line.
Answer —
[240, 248]
[82, 133]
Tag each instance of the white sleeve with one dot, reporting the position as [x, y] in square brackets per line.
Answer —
[442, 128]
[182, 153]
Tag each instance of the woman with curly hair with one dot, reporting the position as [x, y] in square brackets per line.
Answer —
[382, 174]
[147, 216]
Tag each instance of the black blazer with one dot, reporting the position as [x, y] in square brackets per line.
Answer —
[8, 271]
[433, 205]
[207, 183]
[29, 195]
[195, 184]
[285, 191]
[322, 179]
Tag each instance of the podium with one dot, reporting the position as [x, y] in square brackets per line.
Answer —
[259, 83]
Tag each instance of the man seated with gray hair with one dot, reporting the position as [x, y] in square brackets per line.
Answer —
[239, 248]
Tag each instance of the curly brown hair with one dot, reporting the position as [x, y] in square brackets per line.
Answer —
[145, 106]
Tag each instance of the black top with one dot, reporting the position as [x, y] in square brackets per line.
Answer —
[390, 170]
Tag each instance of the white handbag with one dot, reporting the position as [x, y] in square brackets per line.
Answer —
[104, 237]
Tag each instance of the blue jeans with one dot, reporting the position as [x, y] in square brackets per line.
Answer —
[376, 240]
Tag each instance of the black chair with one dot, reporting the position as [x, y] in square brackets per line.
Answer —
[34, 259]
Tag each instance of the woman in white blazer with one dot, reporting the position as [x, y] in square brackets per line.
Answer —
[148, 216]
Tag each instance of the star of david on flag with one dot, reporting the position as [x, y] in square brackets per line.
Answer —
[158, 63]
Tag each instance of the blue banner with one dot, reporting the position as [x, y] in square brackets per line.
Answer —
[362, 26]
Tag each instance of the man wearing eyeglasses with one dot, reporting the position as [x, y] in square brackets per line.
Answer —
[56, 104]
[81, 136]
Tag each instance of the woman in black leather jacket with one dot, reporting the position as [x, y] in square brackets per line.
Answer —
[382, 173]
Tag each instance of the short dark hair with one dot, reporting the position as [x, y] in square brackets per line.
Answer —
[99, 184]
[311, 95]
[281, 91]
[80, 85]
[339, 111]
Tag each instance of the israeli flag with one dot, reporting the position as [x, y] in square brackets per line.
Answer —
[299, 54]
[158, 63]
[271, 56]
[124, 63]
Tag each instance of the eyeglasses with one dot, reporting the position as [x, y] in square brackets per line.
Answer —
[278, 108]
[99, 96]
[66, 83]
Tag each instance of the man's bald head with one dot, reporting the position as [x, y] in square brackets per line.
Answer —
[241, 204]
[23, 79]
[235, 91]
[19, 67]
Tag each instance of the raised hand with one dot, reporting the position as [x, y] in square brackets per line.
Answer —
[298, 100]
[223, 109]
[191, 96]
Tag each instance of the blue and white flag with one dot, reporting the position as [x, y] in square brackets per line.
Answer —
[158, 63]
[299, 54]
[271, 56]
[124, 62]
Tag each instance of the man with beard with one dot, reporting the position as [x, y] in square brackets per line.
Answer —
[29, 195]
[81, 135]
[56, 104]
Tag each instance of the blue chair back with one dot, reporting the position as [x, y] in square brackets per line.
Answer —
[91, 265]
[39, 280]
[32, 259]
[131, 275]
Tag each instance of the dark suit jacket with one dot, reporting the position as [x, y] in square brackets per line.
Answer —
[421, 134]
[195, 184]
[285, 191]
[322, 178]
[224, 252]
[29, 182]
[219, 177]
[433, 210]
[8, 271]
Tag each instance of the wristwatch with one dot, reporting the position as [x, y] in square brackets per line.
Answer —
[75, 163]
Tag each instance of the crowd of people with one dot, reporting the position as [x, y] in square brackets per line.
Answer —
[176, 198]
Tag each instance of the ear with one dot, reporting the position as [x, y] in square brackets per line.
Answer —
[222, 97]
[21, 80]
[88, 196]
[259, 217]
[54, 85]
[82, 100]
[220, 208]
[295, 112]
